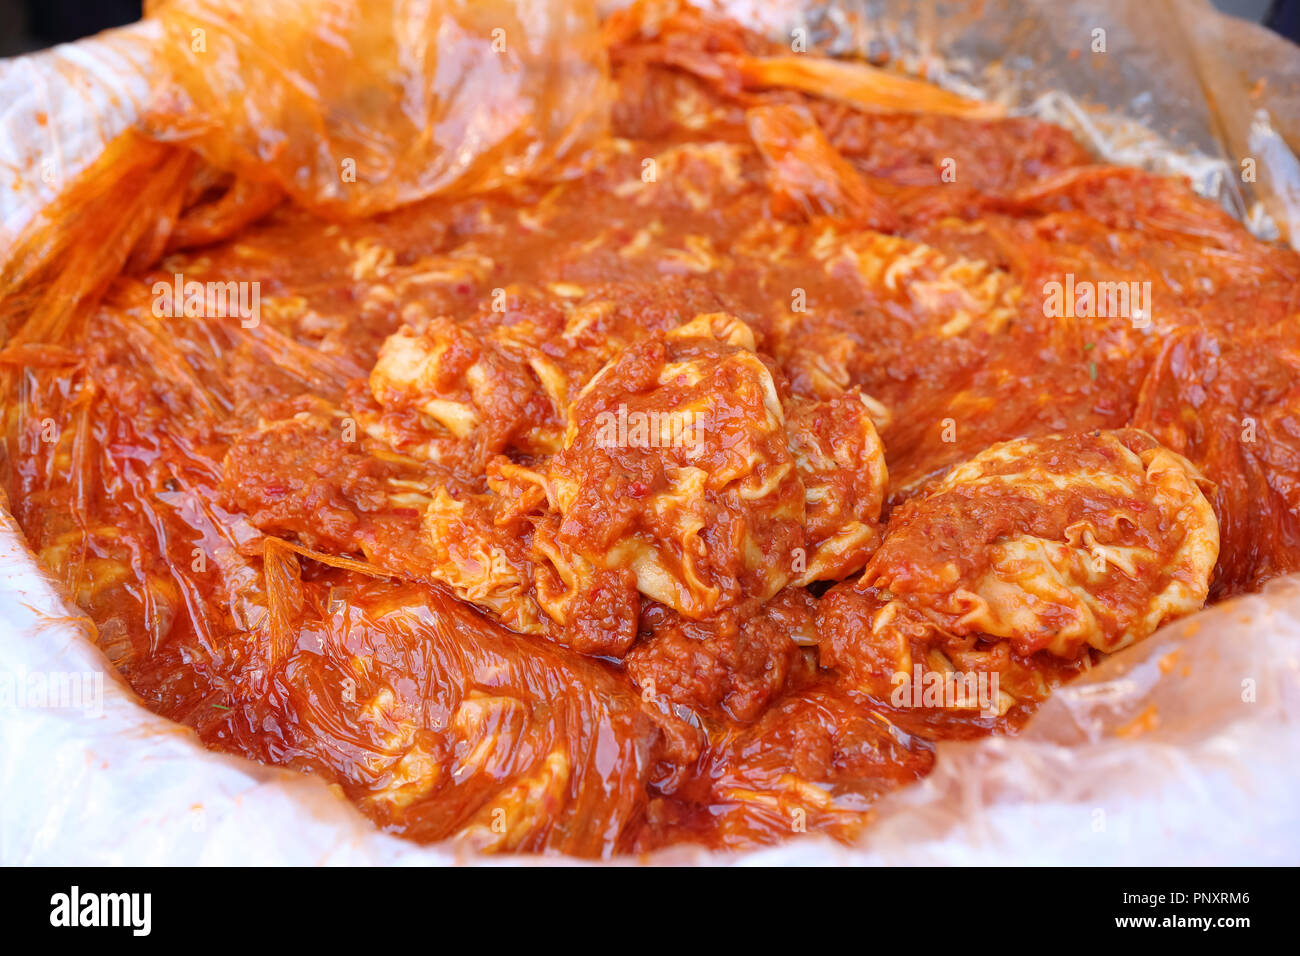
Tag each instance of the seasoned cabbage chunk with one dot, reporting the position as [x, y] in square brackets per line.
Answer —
[502, 379]
[676, 465]
[1048, 546]
[683, 463]
[687, 473]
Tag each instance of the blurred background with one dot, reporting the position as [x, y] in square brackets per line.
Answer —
[27, 25]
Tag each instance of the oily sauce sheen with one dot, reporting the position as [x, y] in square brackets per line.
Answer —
[598, 516]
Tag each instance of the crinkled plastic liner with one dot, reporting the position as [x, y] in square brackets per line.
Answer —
[1169, 85]
[1182, 749]
[59, 110]
[354, 108]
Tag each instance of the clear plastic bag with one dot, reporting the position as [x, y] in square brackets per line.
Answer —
[353, 108]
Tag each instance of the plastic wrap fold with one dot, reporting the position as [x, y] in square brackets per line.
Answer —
[356, 108]
[1182, 749]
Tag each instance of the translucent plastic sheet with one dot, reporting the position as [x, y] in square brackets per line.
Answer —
[1181, 749]
[1170, 85]
[59, 110]
[356, 108]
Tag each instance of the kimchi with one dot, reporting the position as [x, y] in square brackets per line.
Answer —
[685, 480]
